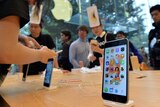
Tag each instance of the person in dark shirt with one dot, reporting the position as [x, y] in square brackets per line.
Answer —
[63, 57]
[101, 37]
[42, 39]
[154, 38]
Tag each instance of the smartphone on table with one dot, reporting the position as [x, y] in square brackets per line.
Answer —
[115, 71]
[48, 73]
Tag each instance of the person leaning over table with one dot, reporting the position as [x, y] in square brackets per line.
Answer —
[14, 15]
[42, 39]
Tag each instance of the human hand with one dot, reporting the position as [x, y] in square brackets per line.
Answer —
[95, 48]
[94, 45]
[94, 42]
[92, 58]
[65, 71]
[81, 64]
[47, 54]
[30, 42]
[34, 42]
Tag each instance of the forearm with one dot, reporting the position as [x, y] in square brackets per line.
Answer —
[19, 54]
[11, 50]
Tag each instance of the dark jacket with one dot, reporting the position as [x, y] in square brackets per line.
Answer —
[101, 41]
[154, 52]
[63, 57]
[133, 50]
[3, 72]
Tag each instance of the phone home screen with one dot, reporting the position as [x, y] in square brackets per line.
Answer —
[115, 68]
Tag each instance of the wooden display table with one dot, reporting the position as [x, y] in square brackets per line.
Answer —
[76, 89]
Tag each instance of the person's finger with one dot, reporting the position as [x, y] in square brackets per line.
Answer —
[36, 44]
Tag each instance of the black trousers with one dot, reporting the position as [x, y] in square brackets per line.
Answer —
[3, 72]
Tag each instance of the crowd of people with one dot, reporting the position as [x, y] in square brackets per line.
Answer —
[36, 48]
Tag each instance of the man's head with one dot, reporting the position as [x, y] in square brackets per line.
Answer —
[155, 13]
[82, 31]
[97, 30]
[65, 35]
[35, 29]
[120, 35]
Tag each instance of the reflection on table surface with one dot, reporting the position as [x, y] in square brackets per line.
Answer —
[77, 89]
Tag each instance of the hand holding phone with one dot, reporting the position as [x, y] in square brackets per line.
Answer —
[31, 44]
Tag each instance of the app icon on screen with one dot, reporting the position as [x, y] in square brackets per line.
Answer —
[122, 62]
[106, 89]
[122, 69]
[117, 49]
[116, 90]
[107, 62]
[112, 50]
[111, 89]
[122, 49]
[107, 51]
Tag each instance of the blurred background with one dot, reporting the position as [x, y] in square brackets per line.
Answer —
[130, 16]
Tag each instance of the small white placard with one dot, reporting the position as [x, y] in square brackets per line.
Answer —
[34, 18]
[93, 16]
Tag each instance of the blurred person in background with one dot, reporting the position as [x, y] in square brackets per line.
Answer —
[79, 49]
[43, 40]
[63, 57]
[154, 38]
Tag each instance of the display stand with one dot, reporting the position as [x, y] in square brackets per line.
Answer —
[139, 74]
[51, 87]
[117, 104]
